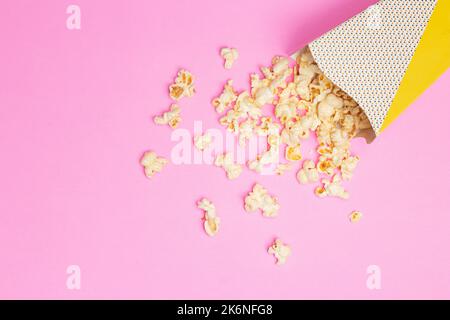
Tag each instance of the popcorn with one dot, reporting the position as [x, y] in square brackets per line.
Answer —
[211, 221]
[247, 106]
[231, 120]
[246, 129]
[348, 166]
[280, 251]
[171, 117]
[232, 169]
[152, 163]
[202, 142]
[259, 198]
[229, 55]
[226, 98]
[325, 165]
[308, 173]
[268, 157]
[332, 188]
[293, 153]
[183, 85]
[305, 104]
[355, 216]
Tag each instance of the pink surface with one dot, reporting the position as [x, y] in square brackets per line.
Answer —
[76, 112]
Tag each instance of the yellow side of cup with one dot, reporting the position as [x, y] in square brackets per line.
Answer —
[430, 60]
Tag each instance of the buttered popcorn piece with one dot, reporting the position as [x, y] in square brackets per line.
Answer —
[211, 221]
[280, 251]
[183, 85]
[308, 173]
[293, 153]
[226, 98]
[332, 188]
[152, 163]
[202, 142]
[348, 165]
[355, 216]
[171, 117]
[260, 199]
[229, 55]
[232, 169]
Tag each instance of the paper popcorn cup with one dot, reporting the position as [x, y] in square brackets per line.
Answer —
[386, 56]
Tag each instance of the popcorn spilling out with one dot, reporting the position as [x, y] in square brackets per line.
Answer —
[332, 188]
[202, 142]
[232, 169]
[280, 251]
[355, 216]
[211, 221]
[183, 85]
[260, 199]
[226, 98]
[152, 163]
[229, 55]
[308, 173]
[304, 101]
[171, 117]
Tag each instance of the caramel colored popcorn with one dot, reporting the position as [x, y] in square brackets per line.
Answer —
[232, 169]
[152, 163]
[171, 117]
[259, 199]
[183, 86]
[229, 55]
[211, 221]
[280, 251]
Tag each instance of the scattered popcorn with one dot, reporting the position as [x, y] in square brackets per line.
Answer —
[325, 165]
[355, 216]
[171, 117]
[308, 173]
[280, 250]
[293, 153]
[347, 167]
[229, 55]
[183, 86]
[262, 160]
[259, 198]
[211, 221]
[232, 169]
[226, 98]
[152, 163]
[202, 142]
[332, 188]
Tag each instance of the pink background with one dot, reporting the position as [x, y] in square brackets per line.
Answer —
[76, 112]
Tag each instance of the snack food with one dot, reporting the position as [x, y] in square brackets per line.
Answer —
[183, 85]
[280, 251]
[232, 169]
[260, 199]
[211, 221]
[355, 216]
[229, 55]
[152, 163]
[171, 117]
[203, 142]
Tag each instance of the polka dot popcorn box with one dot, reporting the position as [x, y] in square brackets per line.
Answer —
[386, 56]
